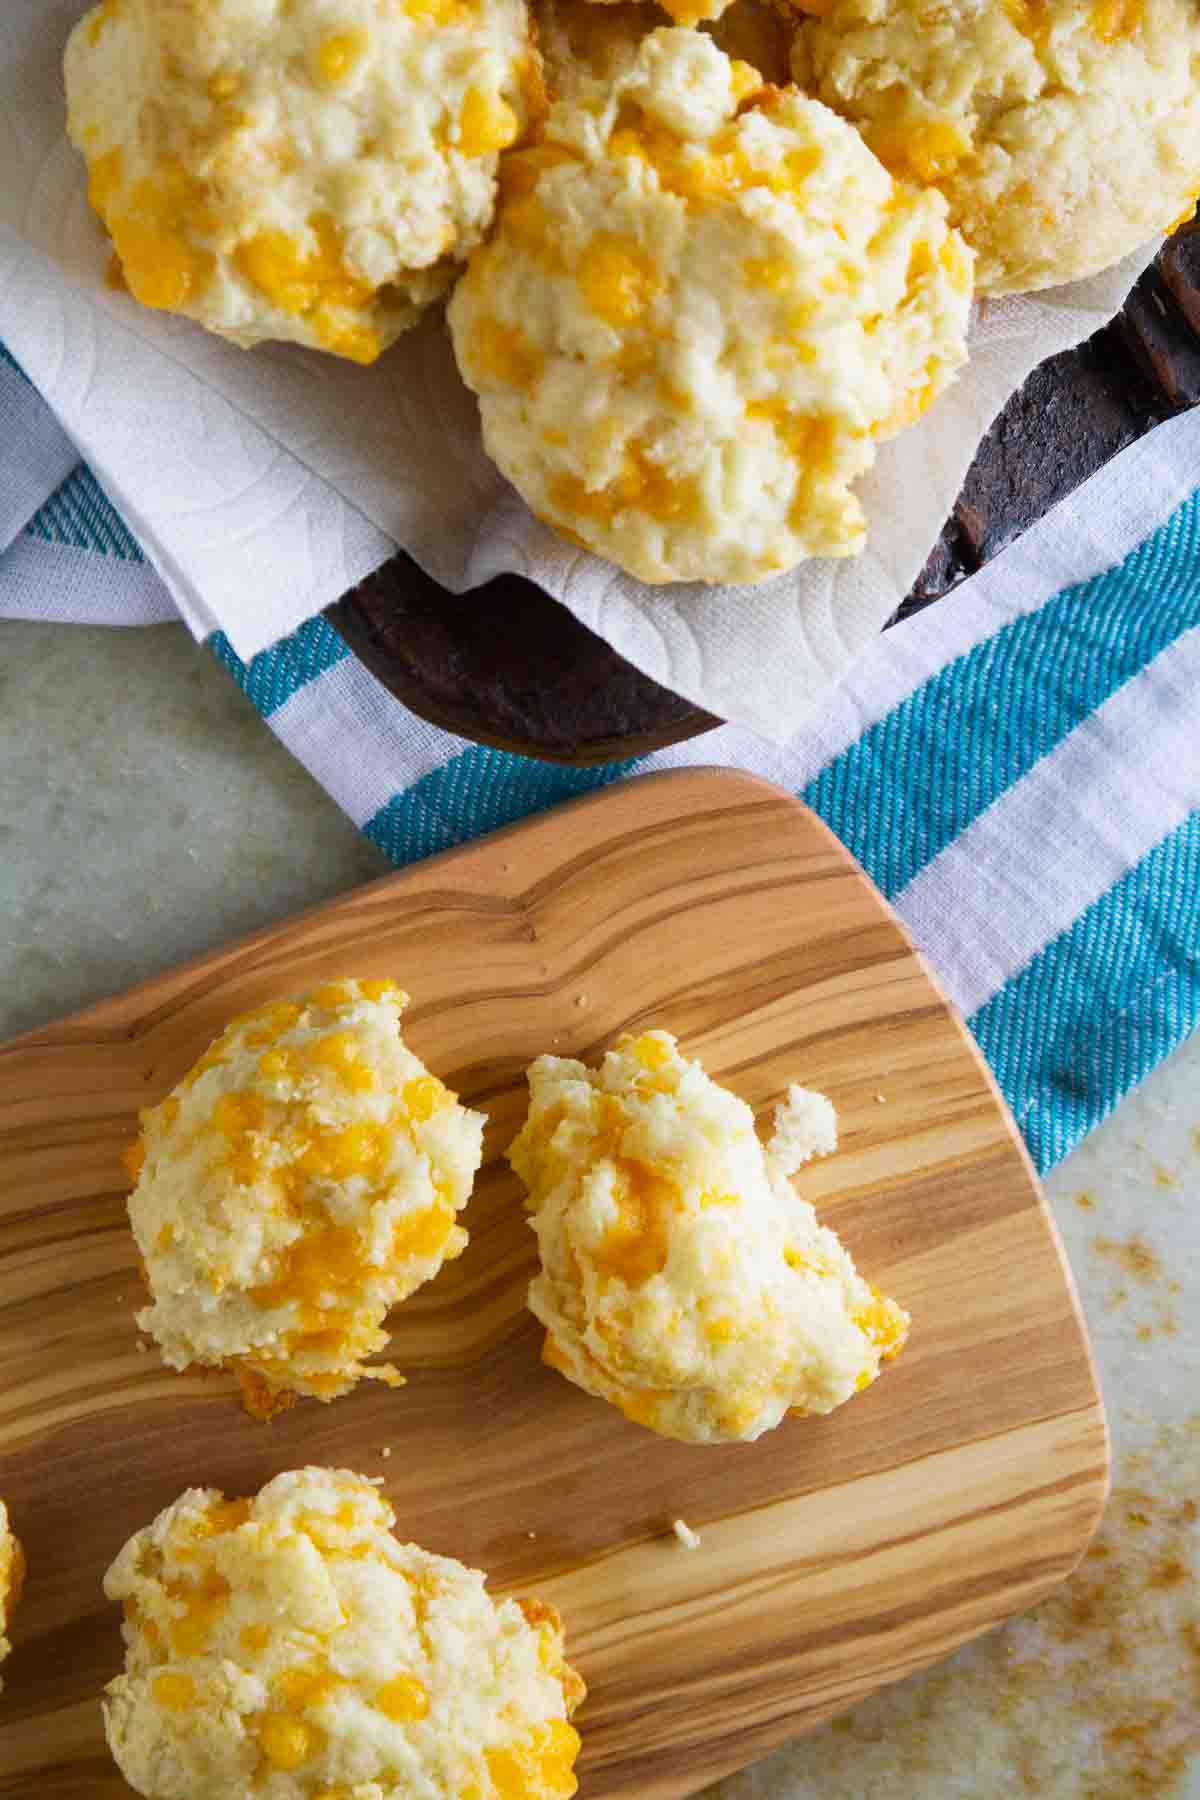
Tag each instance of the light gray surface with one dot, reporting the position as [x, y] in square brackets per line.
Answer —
[147, 813]
[1095, 1694]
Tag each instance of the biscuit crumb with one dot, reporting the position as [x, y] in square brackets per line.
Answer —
[805, 1126]
[688, 1538]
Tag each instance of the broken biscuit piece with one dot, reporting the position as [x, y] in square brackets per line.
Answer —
[682, 1278]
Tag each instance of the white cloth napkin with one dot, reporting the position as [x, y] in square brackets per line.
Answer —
[264, 484]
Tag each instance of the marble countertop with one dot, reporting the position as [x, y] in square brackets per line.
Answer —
[146, 813]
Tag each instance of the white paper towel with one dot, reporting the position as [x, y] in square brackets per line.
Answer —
[263, 484]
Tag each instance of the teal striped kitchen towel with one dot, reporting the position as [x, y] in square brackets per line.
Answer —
[1018, 768]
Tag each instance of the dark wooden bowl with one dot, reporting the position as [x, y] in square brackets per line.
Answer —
[507, 665]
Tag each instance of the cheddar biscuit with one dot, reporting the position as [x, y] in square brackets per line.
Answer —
[682, 1278]
[303, 169]
[302, 1179]
[1063, 133]
[290, 1647]
[703, 305]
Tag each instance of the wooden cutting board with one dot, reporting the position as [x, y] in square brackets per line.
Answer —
[837, 1554]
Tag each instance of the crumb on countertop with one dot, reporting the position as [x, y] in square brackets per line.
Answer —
[687, 1537]
[1135, 1256]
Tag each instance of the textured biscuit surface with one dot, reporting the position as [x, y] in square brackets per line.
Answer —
[292, 1648]
[701, 308]
[1064, 133]
[303, 1178]
[682, 1278]
[303, 169]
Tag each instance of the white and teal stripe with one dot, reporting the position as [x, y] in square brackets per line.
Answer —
[1018, 768]
[1032, 809]
[65, 552]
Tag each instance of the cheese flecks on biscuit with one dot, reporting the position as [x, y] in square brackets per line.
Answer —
[302, 1179]
[682, 1278]
[1064, 133]
[304, 169]
[703, 305]
[290, 1647]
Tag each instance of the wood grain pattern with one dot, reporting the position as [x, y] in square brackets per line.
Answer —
[838, 1554]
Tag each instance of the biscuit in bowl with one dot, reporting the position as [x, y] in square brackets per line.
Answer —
[682, 1278]
[313, 170]
[1065, 134]
[703, 305]
[302, 1179]
[290, 1647]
